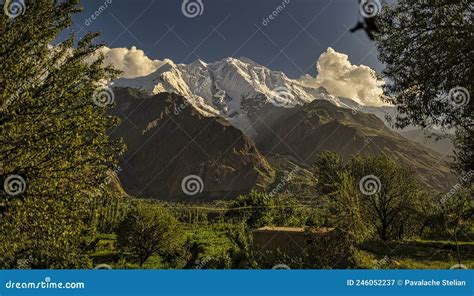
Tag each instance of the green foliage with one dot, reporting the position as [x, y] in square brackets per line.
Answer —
[389, 210]
[209, 248]
[464, 143]
[151, 230]
[52, 135]
[330, 249]
[110, 210]
[258, 209]
[447, 216]
[242, 253]
[418, 254]
[426, 47]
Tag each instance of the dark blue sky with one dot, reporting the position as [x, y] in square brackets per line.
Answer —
[291, 42]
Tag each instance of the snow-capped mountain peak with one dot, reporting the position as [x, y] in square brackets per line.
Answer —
[235, 89]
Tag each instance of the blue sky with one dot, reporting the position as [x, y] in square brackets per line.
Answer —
[291, 42]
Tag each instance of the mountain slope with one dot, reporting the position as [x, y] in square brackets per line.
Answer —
[168, 140]
[320, 126]
[439, 142]
[243, 92]
[235, 89]
[299, 121]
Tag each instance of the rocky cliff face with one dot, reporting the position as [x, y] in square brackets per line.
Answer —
[320, 126]
[169, 140]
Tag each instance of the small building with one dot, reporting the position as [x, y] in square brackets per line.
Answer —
[290, 240]
[285, 239]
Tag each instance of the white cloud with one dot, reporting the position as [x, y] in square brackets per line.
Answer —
[132, 62]
[341, 78]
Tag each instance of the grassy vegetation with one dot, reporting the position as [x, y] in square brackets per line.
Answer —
[214, 248]
[419, 254]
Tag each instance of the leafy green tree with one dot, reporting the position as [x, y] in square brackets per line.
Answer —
[427, 49]
[258, 209]
[289, 211]
[255, 209]
[370, 192]
[457, 212]
[53, 136]
[328, 168]
[148, 230]
[242, 253]
[391, 204]
[336, 187]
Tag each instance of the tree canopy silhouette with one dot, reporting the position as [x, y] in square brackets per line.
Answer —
[53, 136]
[427, 49]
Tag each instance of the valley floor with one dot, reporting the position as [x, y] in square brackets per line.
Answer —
[215, 247]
